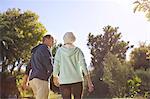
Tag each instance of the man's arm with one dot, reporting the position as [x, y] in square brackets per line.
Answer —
[26, 76]
[24, 82]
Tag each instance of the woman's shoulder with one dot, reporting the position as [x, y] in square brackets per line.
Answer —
[78, 49]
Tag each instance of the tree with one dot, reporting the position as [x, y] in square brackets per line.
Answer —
[19, 31]
[100, 45]
[144, 6]
[139, 57]
[145, 85]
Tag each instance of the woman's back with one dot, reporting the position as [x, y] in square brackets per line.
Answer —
[71, 62]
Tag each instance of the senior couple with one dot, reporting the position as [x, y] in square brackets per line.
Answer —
[68, 69]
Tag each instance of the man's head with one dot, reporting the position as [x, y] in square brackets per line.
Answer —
[48, 40]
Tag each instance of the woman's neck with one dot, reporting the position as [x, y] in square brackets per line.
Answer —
[69, 45]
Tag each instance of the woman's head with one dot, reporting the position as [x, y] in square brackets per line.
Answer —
[69, 38]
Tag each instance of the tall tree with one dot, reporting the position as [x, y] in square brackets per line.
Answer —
[143, 5]
[109, 41]
[100, 45]
[19, 32]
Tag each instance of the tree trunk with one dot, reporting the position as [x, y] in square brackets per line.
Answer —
[12, 69]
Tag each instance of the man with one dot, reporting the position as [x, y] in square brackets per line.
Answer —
[40, 68]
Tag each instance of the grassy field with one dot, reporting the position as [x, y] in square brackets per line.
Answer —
[53, 95]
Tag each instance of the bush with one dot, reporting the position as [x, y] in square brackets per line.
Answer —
[134, 86]
[145, 85]
[100, 89]
[9, 87]
[116, 74]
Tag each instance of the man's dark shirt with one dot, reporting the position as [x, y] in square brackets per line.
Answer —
[40, 64]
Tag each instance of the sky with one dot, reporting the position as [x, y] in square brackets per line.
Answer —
[86, 16]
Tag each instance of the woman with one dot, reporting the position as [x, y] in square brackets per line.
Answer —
[69, 65]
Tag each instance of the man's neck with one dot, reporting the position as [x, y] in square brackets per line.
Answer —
[46, 45]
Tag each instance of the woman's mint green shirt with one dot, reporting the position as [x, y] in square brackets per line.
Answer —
[69, 65]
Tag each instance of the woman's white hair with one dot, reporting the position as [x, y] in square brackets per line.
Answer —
[69, 38]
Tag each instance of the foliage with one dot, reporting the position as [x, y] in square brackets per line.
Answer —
[19, 31]
[145, 85]
[144, 6]
[139, 57]
[148, 54]
[101, 44]
[116, 75]
[55, 47]
[133, 86]
[8, 86]
[23, 93]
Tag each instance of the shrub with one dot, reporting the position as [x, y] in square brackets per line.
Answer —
[116, 74]
[145, 85]
[134, 86]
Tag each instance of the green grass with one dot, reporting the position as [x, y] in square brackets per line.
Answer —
[53, 95]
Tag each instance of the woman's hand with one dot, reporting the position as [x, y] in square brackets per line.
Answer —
[90, 86]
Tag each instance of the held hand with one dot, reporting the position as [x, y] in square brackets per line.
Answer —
[56, 81]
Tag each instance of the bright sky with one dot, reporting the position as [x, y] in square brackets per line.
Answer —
[84, 16]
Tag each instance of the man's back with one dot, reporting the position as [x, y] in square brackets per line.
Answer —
[41, 62]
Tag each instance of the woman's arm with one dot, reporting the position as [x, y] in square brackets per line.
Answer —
[82, 63]
[90, 84]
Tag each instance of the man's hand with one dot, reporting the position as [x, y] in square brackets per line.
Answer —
[24, 84]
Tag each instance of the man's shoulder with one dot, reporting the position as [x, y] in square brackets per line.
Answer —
[42, 46]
